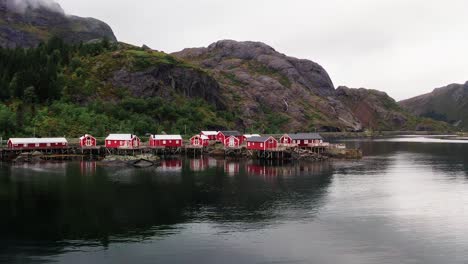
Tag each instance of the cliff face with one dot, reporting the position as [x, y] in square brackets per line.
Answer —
[449, 104]
[27, 23]
[264, 86]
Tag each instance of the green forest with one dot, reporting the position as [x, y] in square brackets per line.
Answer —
[48, 91]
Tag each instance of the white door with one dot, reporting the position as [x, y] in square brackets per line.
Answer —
[232, 142]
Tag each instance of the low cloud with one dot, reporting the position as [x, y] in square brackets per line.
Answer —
[22, 6]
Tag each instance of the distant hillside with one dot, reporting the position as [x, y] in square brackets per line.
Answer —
[449, 104]
[27, 23]
[378, 111]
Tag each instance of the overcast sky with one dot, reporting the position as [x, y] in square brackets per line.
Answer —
[402, 47]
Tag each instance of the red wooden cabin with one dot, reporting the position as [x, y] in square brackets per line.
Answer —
[262, 143]
[37, 143]
[301, 139]
[200, 140]
[166, 141]
[122, 141]
[232, 142]
[222, 135]
[87, 141]
[210, 134]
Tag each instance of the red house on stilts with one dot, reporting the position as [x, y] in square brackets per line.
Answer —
[87, 141]
[222, 135]
[200, 140]
[37, 143]
[122, 141]
[166, 141]
[232, 142]
[301, 139]
[262, 143]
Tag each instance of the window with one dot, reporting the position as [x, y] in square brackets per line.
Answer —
[306, 142]
[37, 145]
[48, 144]
[177, 141]
[115, 141]
[261, 145]
[25, 145]
[248, 144]
[164, 142]
[121, 143]
[170, 141]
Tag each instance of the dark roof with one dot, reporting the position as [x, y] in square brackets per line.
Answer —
[231, 133]
[305, 136]
[258, 139]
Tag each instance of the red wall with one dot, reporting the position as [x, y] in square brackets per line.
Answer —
[286, 140]
[210, 137]
[117, 143]
[41, 146]
[236, 142]
[205, 142]
[267, 145]
[172, 143]
[83, 142]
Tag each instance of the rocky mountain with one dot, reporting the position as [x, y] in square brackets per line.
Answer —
[260, 85]
[25, 23]
[449, 104]
[264, 87]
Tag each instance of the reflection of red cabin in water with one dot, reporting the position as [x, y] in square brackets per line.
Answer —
[231, 168]
[232, 142]
[262, 170]
[301, 139]
[171, 165]
[122, 141]
[87, 141]
[88, 167]
[167, 141]
[37, 143]
[199, 164]
[200, 140]
[262, 143]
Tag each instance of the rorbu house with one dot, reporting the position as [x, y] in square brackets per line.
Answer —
[301, 139]
[122, 141]
[262, 143]
[166, 141]
[210, 134]
[222, 135]
[200, 141]
[247, 136]
[37, 143]
[232, 142]
[87, 141]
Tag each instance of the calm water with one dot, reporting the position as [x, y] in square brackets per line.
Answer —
[406, 202]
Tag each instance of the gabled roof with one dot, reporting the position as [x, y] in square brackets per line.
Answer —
[251, 135]
[37, 140]
[166, 137]
[120, 137]
[304, 136]
[210, 133]
[201, 136]
[85, 136]
[231, 133]
[259, 139]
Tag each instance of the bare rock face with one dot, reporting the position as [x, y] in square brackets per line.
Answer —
[263, 85]
[26, 23]
[164, 80]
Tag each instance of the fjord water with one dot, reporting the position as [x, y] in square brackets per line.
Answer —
[405, 202]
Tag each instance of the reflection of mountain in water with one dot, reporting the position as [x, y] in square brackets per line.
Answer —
[93, 203]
